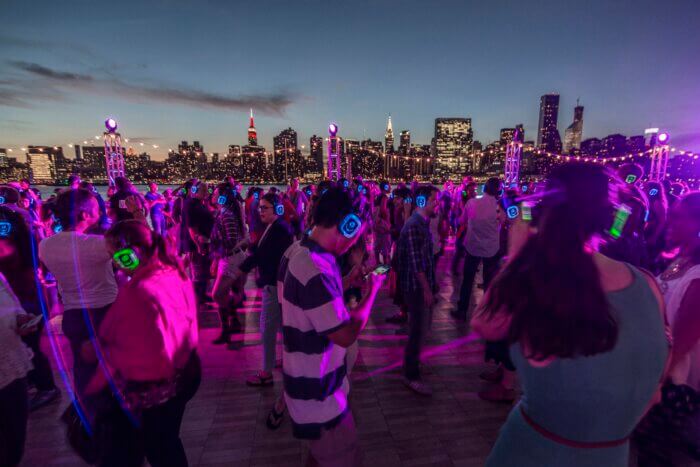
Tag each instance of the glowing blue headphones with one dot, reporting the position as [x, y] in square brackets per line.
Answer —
[512, 212]
[223, 199]
[5, 229]
[256, 195]
[193, 190]
[420, 201]
[408, 200]
[57, 227]
[308, 192]
[346, 183]
[653, 192]
[279, 209]
[524, 189]
[359, 188]
[2, 200]
[385, 187]
[350, 225]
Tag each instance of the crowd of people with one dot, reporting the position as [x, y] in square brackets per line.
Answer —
[584, 287]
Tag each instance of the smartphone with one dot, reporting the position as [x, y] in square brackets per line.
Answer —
[381, 269]
[618, 226]
[526, 210]
[32, 322]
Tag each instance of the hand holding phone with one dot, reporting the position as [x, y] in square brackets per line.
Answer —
[380, 270]
[27, 322]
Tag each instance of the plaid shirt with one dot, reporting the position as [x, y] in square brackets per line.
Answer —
[227, 232]
[415, 253]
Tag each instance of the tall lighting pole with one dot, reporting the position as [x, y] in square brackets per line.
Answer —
[114, 158]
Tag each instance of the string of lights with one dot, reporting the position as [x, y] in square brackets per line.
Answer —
[497, 150]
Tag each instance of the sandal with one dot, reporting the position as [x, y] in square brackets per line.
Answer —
[259, 381]
[274, 418]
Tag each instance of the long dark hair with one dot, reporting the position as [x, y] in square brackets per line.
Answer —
[233, 205]
[551, 288]
[21, 238]
[149, 243]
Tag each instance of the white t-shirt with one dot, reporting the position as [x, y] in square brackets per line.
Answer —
[687, 371]
[82, 267]
[482, 237]
[16, 359]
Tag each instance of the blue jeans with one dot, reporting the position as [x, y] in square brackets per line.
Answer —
[418, 326]
[159, 225]
[270, 322]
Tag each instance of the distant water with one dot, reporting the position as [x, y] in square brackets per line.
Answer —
[47, 190]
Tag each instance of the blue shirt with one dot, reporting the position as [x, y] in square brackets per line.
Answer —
[156, 209]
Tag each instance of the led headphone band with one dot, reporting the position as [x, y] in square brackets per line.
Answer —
[126, 258]
[5, 228]
[350, 225]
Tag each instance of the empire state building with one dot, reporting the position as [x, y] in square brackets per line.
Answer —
[252, 132]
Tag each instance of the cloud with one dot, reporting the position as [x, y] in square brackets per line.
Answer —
[20, 93]
[22, 43]
[44, 72]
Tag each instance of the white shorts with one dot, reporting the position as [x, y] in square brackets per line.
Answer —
[229, 265]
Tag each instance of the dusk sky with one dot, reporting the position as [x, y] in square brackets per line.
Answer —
[173, 70]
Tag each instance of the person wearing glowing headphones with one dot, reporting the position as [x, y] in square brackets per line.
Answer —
[148, 350]
[416, 270]
[318, 329]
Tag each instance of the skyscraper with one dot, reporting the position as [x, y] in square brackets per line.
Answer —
[389, 137]
[574, 132]
[453, 140]
[287, 159]
[548, 137]
[44, 162]
[405, 142]
[252, 132]
[316, 146]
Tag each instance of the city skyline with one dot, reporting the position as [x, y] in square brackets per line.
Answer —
[352, 64]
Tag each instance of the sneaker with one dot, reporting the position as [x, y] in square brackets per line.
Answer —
[418, 387]
[224, 338]
[398, 318]
[498, 393]
[42, 398]
[494, 376]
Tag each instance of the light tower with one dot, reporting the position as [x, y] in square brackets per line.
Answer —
[333, 150]
[659, 158]
[513, 153]
[114, 157]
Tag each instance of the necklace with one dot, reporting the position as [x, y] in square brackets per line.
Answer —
[676, 269]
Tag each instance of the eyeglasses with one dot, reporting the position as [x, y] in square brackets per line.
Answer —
[262, 207]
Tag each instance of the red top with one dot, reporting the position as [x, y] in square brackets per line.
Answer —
[151, 329]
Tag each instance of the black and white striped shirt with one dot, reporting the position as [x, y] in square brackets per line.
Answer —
[310, 292]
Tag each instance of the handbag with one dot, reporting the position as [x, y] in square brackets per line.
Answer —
[672, 425]
[87, 445]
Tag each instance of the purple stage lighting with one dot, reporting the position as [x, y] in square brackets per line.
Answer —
[663, 138]
[332, 129]
[111, 125]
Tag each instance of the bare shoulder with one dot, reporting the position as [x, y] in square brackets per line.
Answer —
[614, 275]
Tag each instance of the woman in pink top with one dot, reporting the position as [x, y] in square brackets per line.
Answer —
[148, 341]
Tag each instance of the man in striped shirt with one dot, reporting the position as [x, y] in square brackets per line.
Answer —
[317, 329]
